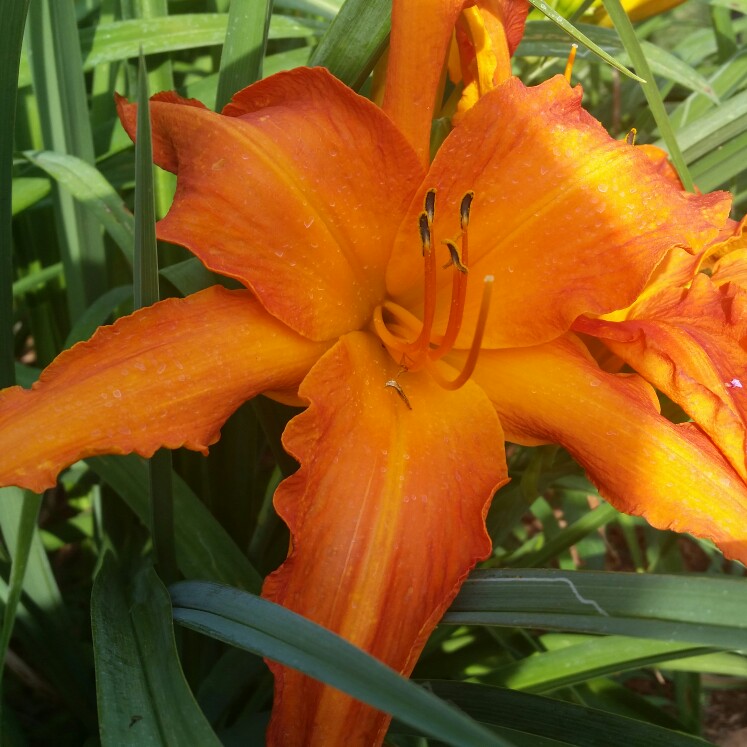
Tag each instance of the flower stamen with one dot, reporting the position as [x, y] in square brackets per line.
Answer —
[464, 209]
[394, 384]
[421, 343]
[459, 282]
[412, 339]
[474, 351]
[451, 246]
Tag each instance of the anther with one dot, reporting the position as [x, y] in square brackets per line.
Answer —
[394, 384]
[454, 257]
[430, 204]
[569, 64]
[464, 208]
[630, 137]
[425, 232]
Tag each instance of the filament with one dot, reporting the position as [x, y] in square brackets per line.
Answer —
[411, 340]
[474, 351]
[458, 284]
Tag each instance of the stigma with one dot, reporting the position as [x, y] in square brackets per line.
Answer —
[412, 339]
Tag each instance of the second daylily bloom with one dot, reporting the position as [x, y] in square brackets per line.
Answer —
[418, 312]
[687, 334]
[487, 34]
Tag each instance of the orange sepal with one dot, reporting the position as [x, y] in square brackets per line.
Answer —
[297, 194]
[168, 375]
[692, 345]
[567, 220]
[642, 464]
[387, 518]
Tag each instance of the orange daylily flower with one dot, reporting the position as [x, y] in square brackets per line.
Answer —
[316, 202]
[687, 334]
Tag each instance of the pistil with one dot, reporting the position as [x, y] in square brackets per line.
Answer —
[474, 350]
[569, 64]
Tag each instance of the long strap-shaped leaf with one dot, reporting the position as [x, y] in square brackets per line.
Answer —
[561, 722]
[705, 610]
[146, 292]
[120, 40]
[204, 549]
[581, 38]
[11, 35]
[60, 89]
[253, 623]
[355, 40]
[244, 48]
[142, 694]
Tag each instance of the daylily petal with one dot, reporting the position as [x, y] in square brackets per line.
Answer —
[297, 194]
[679, 267]
[676, 270]
[567, 220]
[732, 268]
[504, 20]
[692, 345]
[641, 463]
[386, 516]
[660, 159]
[487, 35]
[726, 257]
[168, 375]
